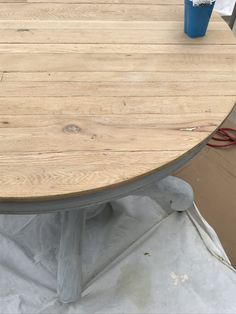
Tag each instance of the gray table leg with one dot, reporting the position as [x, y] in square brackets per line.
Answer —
[69, 277]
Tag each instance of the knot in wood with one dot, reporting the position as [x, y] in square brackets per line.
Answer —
[71, 129]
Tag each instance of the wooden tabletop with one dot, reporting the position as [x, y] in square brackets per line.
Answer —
[95, 93]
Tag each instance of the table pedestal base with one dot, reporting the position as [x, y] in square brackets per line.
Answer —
[171, 193]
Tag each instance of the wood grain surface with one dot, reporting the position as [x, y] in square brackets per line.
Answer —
[96, 93]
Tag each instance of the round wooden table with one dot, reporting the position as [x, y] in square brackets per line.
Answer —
[101, 97]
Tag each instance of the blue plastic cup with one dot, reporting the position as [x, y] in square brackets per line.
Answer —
[196, 18]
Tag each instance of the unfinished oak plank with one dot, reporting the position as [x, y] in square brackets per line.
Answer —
[100, 133]
[117, 62]
[107, 36]
[68, 179]
[92, 105]
[62, 11]
[133, 89]
[120, 76]
[77, 24]
[116, 48]
[13, 1]
[162, 2]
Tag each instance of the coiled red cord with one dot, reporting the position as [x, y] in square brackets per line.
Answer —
[226, 135]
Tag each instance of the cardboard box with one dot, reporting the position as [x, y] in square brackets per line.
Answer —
[212, 175]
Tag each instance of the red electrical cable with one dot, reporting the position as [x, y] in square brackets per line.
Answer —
[226, 135]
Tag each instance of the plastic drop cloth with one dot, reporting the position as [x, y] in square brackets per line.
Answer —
[139, 256]
[224, 7]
